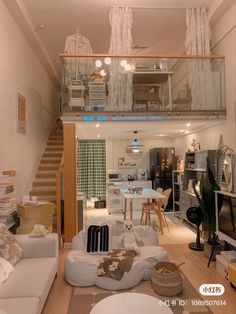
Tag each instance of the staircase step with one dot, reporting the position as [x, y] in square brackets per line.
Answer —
[55, 143]
[52, 154]
[42, 192]
[44, 183]
[55, 138]
[50, 161]
[48, 168]
[45, 175]
[56, 149]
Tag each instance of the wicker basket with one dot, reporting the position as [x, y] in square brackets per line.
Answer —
[166, 279]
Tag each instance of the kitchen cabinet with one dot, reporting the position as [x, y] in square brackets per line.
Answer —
[115, 199]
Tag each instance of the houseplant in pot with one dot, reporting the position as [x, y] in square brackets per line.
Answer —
[206, 199]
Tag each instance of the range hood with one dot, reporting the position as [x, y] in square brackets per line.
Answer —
[135, 147]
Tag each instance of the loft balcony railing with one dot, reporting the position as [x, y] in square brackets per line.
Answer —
[150, 85]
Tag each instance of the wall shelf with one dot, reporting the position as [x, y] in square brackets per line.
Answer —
[127, 167]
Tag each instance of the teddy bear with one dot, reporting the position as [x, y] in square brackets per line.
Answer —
[129, 239]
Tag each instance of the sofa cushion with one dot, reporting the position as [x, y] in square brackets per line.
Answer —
[9, 247]
[20, 305]
[6, 269]
[31, 278]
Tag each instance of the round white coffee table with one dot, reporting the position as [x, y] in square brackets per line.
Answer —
[130, 303]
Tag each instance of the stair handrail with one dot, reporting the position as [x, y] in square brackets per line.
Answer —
[59, 198]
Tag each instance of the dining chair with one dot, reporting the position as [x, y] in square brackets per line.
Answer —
[158, 207]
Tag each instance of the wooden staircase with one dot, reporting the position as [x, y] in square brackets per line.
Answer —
[44, 185]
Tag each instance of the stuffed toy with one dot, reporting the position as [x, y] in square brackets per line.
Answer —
[129, 239]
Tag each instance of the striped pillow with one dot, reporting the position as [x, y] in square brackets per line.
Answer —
[98, 239]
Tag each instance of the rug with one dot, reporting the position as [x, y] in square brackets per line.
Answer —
[83, 299]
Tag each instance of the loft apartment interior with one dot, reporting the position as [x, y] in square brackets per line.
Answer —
[118, 145]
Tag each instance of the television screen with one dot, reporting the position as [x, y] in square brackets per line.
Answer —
[227, 216]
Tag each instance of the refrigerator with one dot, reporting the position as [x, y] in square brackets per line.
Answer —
[162, 162]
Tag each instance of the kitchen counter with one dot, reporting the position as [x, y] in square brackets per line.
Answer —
[126, 181]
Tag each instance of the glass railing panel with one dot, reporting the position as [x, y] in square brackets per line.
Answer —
[142, 84]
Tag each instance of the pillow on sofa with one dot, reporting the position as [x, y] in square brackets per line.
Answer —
[9, 247]
[97, 239]
[6, 269]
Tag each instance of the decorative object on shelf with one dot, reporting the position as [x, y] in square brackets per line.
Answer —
[225, 168]
[195, 144]
[195, 216]
[206, 199]
[21, 113]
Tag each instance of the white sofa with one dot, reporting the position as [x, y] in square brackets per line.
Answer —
[27, 287]
[81, 267]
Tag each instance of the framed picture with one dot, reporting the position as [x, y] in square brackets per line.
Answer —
[21, 113]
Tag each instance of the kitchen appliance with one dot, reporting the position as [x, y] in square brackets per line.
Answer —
[162, 162]
[142, 174]
[114, 175]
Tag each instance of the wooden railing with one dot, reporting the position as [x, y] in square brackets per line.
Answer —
[58, 199]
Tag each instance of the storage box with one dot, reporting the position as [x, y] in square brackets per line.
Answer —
[28, 223]
[222, 266]
[30, 211]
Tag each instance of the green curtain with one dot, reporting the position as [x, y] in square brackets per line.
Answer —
[91, 167]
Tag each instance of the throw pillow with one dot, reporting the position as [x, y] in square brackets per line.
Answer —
[98, 239]
[9, 247]
[6, 269]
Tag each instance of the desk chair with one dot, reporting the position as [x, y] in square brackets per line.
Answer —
[157, 208]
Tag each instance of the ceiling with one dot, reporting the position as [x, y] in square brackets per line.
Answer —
[161, 30]
[152, 129]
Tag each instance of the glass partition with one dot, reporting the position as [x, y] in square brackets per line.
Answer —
[142, 83]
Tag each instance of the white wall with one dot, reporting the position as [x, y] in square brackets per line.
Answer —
[117, 148]
[22, 72]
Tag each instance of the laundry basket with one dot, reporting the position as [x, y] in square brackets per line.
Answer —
[166, 279]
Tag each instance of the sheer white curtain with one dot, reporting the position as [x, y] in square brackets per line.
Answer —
[201, 77]
[120, 83]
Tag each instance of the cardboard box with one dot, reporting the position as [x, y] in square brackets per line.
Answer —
[28, 223]
[31, 211]
[222, 266]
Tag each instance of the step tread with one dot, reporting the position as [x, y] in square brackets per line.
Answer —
[50, 161]
[40, 175]
[42, 192]
[52, 154]
[54, 149]
[44, 183]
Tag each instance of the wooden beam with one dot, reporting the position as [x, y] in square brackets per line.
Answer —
[69, 182]
[141, 56]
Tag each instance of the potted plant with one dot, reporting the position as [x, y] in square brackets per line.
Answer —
[206, 199]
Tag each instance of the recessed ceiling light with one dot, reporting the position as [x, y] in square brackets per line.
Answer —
[98, 135]
[182, 131]
[97, 125]
[188, 124]
[161, 135]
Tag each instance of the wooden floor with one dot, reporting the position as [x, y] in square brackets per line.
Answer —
[195, 268]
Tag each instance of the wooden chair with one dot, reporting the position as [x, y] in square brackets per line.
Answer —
[157, 208]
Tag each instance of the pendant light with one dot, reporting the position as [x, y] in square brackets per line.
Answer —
[135, 147]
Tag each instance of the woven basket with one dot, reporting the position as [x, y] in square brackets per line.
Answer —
[166, 279]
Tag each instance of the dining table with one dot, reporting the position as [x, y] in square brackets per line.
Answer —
[145, 194]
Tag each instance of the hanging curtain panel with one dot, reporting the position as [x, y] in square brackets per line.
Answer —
[120, 85]
[91, 168]
[203, 82]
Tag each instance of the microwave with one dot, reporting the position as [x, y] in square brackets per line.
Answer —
[114, 175]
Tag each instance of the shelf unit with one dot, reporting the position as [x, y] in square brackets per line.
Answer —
[8, 205]
[195, 166]
[177, 186]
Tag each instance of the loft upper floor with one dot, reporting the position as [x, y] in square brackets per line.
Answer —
[156, 86]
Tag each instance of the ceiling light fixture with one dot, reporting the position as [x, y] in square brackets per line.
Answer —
[98, 136]
[188, 124]
[123, 63]
[98, 63]
[182, 131]
[103, 73]
[128, 67]
[107, 60]
[97, 125]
